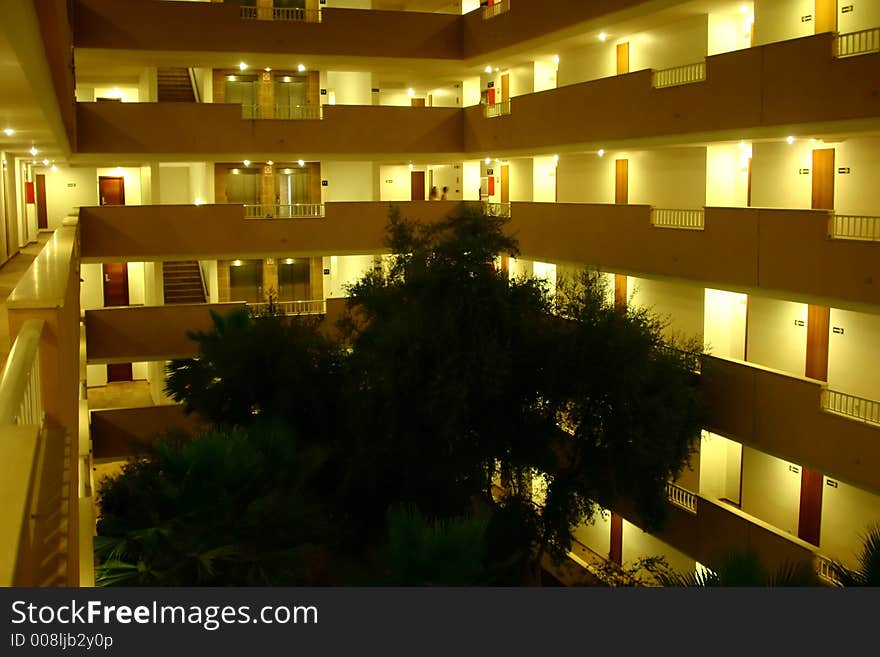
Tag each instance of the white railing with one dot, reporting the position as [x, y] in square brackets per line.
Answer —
[290, 308]
[498, 209]
[496, 109]
[859, 408]
[682, 219]
[248, 12]
[287, 112]
[294, 211]
[296, 14]
[681, 497]
[855, 227]
[673, 77]
[825, 569]
[498, 8]
[21, 400]
[858, 43]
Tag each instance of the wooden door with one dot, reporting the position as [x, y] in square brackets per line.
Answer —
[823, 179]
[826, 16]
[818, 322]
[112, 190]
[116, 294]
[505, 183]
[615, 553]
[42, 219]
[620, 291]
[810, 510]
[622, 58]
[505, 88]
[621, 182]
[417, 181]
[418, 102]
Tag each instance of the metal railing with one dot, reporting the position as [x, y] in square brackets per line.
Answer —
[21, 400]
[855, 227]
[248, 12]
[681, 497]
[862, 42]
[498, 209]
[496, 109]
[282, 14]
[294, 113]
[294, 211]
[859, 408]
[682, 219]
[500, 7]
[291, 308]
[678, 75]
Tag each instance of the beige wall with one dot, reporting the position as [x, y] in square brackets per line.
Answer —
[585, 178]
[770, 489]
[865, 14]
[395, 182]
[679, 304]
[350, 87]
[347, 181]
[638, 544]
[727, 174]
[854, 356]
[847, 513]
[724, 323]
[774, 340]
[777, 20]
[67, 188]
[856, 192]
[544, 179]
[666, 178]
[597, 534]
[730, 28]
[521, 182]
[720, 467]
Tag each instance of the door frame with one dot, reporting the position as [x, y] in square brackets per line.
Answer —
[121, 187]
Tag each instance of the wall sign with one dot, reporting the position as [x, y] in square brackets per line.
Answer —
[803, 171]
[326, 272]
[843, 170]
[325, 183]
[323, 92]
[846, 9]
[71, 184]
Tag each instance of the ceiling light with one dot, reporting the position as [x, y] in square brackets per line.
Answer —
[601, 152]
[488, 160]
[555, 158]
[236, 263]
[287, 172]
[789, 139]
[54, 169]
[410, 92]
[118, 171]
[270, 163]
[33, 150]
[488, 69]
[8, 131]
[231, 78]
[301, 68]
[45, 163]
[267, 69]
[289, 261]
[410, 166]
[302, 163]
[247, 163]
[198, 201]
[497, 69]
[602, 36]
[242, 66]
[235, 172]
[555, 59]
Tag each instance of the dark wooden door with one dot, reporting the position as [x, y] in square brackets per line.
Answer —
[417, 102]
[116, 294]
[823, 179]
[112, 190]
[615, 553]
[621, 182]
[810, 510]
[417, 180]
[505, 183]
[818, 323]
[42, 217]
[622, 58]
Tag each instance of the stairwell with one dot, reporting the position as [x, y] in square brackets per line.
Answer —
[174, 86]
[182, 282]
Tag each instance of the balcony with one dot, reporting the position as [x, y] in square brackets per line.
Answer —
[168, 26]
[772, 86]
[795, 419]
[211, 129]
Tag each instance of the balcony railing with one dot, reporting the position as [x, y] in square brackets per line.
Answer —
[681, 497]
[682, 219]
[287, 112]
[678, 75]
[862, 42]
[282, 14]
[33, 527]
[859, 408]
[500, 7]
[496, 109]
[294, 211]
[825, 569]
[498, 209]
[292, 308]
[855, 227]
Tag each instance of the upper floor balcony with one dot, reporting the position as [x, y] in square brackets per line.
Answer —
[752, 93]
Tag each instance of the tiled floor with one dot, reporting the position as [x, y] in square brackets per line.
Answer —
[10, 273]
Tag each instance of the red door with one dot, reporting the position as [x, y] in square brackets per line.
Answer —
[112, 192]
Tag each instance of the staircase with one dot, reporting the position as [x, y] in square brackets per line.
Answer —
[174, 86]
[182, 282]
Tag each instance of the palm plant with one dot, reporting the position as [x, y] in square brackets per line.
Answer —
[868, 571]
[742, 568]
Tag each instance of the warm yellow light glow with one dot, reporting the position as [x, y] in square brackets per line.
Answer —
[601, 152]
[118, 171]
[602, 36]
[267, 69]
[247, 163]
[410, 92]
[789, 139]
[198, 201]
[555, 158]
[236, 263]
[410, 165]
[242, 66]
[287, 172]
[302, 163]
[235, 172]
[488, 160]
[231, 78]
[270, 163]
[33, 150]
[286, 78]
[301, 68]
[54, 169]
[289, 261]
[555, 59]
[8, 132]
[488, 69]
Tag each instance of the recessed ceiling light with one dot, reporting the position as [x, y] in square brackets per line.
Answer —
[54, 169]
[33, 151]
[601, 152]
[302, 163]
[488, 69]
[555, 59]
[602, 36]
[488, 160]
[410, 92]
[267, 69]
[301, 68]
[45, 163]
[247, 163]
[242, 66]
[270, 163]
[789, 139]
[8, 131]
